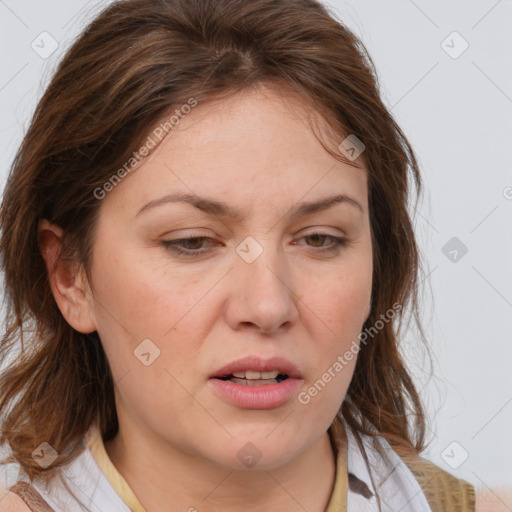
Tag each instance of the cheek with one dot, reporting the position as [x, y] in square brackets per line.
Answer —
[342, 302]
[134, 292]
[340, 309]
[136, 301]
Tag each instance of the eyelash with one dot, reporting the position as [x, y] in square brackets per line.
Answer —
[172, 245]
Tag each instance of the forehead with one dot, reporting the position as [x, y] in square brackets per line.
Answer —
[253, 145]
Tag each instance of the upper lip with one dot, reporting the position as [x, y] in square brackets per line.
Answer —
[258, 364]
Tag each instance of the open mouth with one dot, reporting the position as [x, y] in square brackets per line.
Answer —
[255, 378]
[255, 383]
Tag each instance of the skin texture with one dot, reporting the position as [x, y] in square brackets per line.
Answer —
[493, 500]
[178, 441]
[10, 502]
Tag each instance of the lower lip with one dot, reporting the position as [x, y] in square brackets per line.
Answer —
[266, 396]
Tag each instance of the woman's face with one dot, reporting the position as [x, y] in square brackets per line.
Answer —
[270, 282]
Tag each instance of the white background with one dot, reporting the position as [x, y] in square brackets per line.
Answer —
[457, 113]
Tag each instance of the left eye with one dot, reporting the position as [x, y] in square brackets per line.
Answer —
[196, 242]
[176, 245]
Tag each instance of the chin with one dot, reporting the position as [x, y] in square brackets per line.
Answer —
[259, 451]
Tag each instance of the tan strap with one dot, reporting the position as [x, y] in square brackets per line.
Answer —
[339, 443]
[443, 490]
[28, 493]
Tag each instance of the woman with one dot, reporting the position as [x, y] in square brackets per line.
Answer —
[208, 253]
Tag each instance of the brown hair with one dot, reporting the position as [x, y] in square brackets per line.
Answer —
[136, 61]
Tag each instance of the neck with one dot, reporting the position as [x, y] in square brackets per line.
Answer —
[197, 485]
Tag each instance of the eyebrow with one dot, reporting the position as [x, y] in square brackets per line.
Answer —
[222, 209]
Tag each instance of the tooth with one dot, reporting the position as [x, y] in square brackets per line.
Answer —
[252, 382]
[256, 382]
[250, 375]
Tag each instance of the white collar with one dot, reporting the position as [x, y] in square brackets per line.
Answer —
[396, 486]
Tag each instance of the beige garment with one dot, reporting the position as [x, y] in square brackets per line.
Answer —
[30, 496]
[444, 492]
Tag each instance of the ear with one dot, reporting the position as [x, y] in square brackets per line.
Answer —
[69, 286]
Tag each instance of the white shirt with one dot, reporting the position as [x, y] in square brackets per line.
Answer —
[397, 488]
[89, 485]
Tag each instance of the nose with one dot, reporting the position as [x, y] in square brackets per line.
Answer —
[262, 292]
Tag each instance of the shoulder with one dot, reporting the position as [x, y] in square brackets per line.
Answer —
[10, 502]
[443, 490]
[441, 487]
[493, 500]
